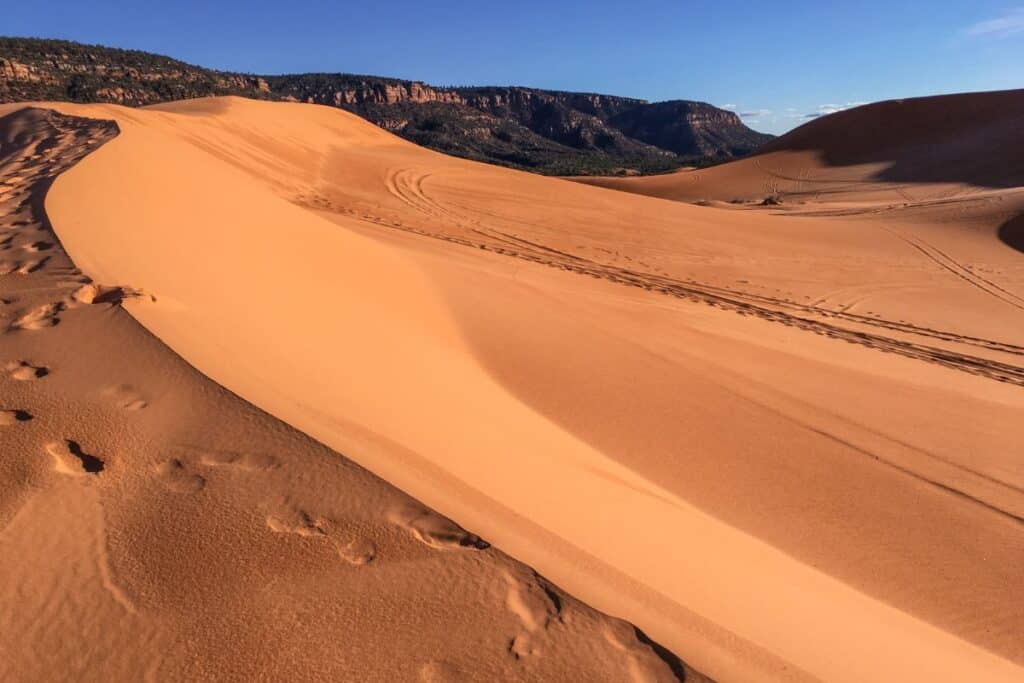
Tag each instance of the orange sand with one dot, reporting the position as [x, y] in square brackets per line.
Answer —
[153, 526]
[703, 437]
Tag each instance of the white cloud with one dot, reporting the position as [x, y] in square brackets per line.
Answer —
[727, 106]
[826, 109]
[755, 113]
[1010, 23]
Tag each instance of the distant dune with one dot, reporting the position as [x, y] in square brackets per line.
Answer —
[899, 150]
[784, 444]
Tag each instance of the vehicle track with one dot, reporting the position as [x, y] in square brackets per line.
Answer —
[812, 318]
[948, 263]
[519, 242]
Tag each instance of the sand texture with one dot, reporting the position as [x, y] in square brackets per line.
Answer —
[155, 526]
[783, 442]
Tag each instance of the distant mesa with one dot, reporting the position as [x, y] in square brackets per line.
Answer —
[545, 131]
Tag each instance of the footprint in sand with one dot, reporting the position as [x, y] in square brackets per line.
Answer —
[532, 601]
[297, 522]
[29, 267]
[10, 417]
[357, 551]
[92, 293]
[36, 247]
[126, 397]
[433, 529]
[524, 645]
[535, 604]
[70, 459]
[441, 672]
[23, 371]
[646, 662]
[354, 550]
[39, 318]
[253, 462]
[174, 476]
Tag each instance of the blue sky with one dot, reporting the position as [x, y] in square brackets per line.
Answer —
[776, 63]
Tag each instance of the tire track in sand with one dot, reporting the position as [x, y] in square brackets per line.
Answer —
[948, 263]
[801, 316]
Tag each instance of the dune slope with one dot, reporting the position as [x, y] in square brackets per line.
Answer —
[767, 502]
[155, 526]
[925, 148]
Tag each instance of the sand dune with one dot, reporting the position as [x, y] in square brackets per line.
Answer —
[779, 444]
[155, 526]
[899, 151]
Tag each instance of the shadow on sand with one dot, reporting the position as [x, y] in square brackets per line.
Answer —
[1011, 233]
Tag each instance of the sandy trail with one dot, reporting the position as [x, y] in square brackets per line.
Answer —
[153, 526]
[767, 502]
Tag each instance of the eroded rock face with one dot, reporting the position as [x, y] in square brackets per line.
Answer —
[686, 127]
[11, 70]
[581, 121]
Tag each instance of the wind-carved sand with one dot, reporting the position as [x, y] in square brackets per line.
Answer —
[778, 441]
[153, 525]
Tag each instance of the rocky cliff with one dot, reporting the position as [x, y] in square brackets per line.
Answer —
[689, 128]
[541, 130]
